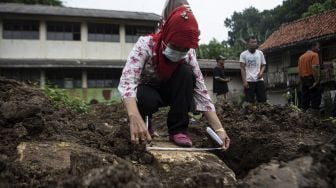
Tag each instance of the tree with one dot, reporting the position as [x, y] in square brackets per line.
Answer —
[318, 8]
[245, 24]
[262, 24]
[42, 2]
[242, 24]
[314, 9]
[214, 49]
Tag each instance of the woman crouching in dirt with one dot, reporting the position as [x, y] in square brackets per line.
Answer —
[162, 70]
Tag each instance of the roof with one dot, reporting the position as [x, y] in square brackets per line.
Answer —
[12, 8]
[210, 64]
[67, 63]
[76, 63]
[317, 27]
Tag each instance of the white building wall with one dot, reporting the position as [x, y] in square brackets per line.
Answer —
[53, 49]
[19, 49]
[276, 98]
[62, 50]
[235, 85]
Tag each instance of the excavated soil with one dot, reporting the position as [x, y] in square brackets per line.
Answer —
[104, 157]
[268, 132]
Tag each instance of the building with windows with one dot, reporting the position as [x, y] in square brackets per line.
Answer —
[284, 47]
[81, 50]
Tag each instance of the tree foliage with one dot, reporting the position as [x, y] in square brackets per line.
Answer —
[42, 2]
[261, 24]
[215, 48]
[320, 8]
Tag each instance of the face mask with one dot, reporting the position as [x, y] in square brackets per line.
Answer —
[174, 55]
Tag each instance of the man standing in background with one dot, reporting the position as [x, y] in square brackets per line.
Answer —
[309, 71]
[252, 67]
[220, 82]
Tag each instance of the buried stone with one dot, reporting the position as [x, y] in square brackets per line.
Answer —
[55, 156]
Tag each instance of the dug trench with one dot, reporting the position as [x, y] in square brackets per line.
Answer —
[47, 146]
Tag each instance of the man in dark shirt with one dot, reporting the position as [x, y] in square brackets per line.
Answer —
[220, 82]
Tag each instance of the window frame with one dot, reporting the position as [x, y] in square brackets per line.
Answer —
[19, 29]
[133, 32]
[99, 32]
[64, 31]
[102, 78]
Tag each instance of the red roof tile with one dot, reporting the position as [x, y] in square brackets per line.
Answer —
[313, 27]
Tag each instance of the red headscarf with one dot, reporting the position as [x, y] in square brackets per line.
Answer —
[179, 29]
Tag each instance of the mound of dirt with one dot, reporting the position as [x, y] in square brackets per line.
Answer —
[265, 133]
[45, 146]
[268, 133]
[316, 169]
[32, 131]
[94, 149]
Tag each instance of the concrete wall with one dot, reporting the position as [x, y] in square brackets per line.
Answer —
[101, 95]
[276, 98]
[51, 49]
[236, 90]
[235, 86]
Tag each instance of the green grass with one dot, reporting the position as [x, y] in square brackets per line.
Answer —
[59, 98]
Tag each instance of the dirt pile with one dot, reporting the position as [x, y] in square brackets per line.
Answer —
[45, 146]
[268, 133]
[316, 169]
[30, 123]
[100, 154]
[281, 134]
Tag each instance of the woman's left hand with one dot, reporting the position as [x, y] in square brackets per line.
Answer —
[225, 138]
[216, 125]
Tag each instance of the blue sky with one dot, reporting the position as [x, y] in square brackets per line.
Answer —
[209, 13]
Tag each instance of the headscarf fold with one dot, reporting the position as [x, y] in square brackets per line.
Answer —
[180, 28]
[171, 5]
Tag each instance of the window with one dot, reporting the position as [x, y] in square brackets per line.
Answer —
[63, 31]
[20, 29]
[64, 78]
[134, 32]
[329, 53]
[20, 74]
[295, 58]
[103, 32]
[103, 78]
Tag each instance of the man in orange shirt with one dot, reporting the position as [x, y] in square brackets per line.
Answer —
[309, 71]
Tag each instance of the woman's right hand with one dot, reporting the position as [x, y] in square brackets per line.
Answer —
[139, 132]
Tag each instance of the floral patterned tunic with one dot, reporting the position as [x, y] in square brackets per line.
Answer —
[140, 69]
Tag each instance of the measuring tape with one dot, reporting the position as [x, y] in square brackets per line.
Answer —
[181, 149]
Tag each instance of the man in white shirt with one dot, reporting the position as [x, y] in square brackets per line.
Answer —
[252, 67]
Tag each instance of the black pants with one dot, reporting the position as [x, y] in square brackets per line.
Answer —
[311, 98]
[256, 89]
[177, 93]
